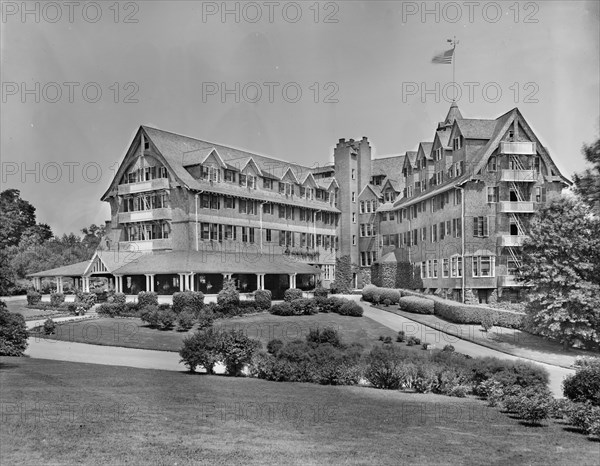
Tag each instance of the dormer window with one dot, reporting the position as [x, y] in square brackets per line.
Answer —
[146, 144]
[267, 183]
[438, 153]
[457, 143]
[229, 176]
[210, 173]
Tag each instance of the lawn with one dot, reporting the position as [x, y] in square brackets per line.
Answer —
[68, 413]
[508, 340]
[133, 333]
[20, 307]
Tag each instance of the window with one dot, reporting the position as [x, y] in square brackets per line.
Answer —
[442, 230]
[480, 227]
[540, 194]
[492, 194]
[457, 143]
[445, 268]
[362, 207]
[229, 176]
[434, 269]
[230, 232]
[353, 217]
[483, 266]
[492, 164]
[230, 202]
[353, 196]
[386, 240]
[269, 235]
[353, 173]
[383, 216]
[456, 267]
[438, 153]
[268, 208]
[423, 269]
[433, 233]
[423, 234]
[353, 240]
[267, 183]
[457, 196]
[362, 230]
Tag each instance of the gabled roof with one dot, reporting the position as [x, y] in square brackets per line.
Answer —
[453, 114]
[388, 165]
[425, 149]
[376, 190]
[476, 128]
[73, 270]
[241, 164]
[393, 184]
[442, 138]
[199, 156]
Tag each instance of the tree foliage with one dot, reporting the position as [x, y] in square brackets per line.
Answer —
[587, 184]
[13, 333]
[561, 260]
[16, 216]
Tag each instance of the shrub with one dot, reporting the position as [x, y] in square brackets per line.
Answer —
[262, 299]
[109, 309]
[390, 294]
[56, 299]
[71, 308]
[449, 379]
[326, 335]
[147, 298]
[185, 320]
[33, 297]
[459, 391]
[559, 408]
[49, 326]
[416, 305]
[236, 350]
[412, 341]
[151, 315]
[331, 304]
[472, 314]
[426, 379]
[229, 295]
[583, 416]
[507, 373]
[351, 309]
[273, 346]
[584, 385]
[13, 332]
[87, 300]
[387, 341]
[368, 292]
[304, 307]
[384, 367]
[291, 294]
[448, 348]
[386, 302]
[201, 349]
[166, 319]
[119, 298]
[205, 319]
[401, 336]
[332, 365]
[487, 321]
[534, 407]
[193, 300]
[321, 292]
[282, 309]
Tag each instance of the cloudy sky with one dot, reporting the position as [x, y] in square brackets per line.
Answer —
[77, 81]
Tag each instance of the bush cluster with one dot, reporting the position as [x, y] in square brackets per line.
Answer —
[322, 358]
[13, 332]
[416, 305]
[304, 307]
[147, 298]
[163, 319]
[86, 300]
[262, 299]
[56, 299]
[192, 300]
[207, 347]
[229, 295]
[310, 306]
[584, 385]
[119, 298]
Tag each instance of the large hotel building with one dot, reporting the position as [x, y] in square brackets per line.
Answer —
[187, 214]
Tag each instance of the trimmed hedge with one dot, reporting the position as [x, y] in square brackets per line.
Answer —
[56, 299]
[188, 299]
[282, 309]
[370, 292]
[262, 299]
[351, 309]
[292, 293]
[416, 305]
[304, 307]
[33, 297]
[147, 298]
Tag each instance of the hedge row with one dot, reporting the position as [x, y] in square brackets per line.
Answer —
[416, 305]
[376, 294]
[470, 314]
[310, 306]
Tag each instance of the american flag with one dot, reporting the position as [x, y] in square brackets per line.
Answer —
[444, 58]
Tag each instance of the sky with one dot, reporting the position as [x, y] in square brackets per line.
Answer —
[287, 80]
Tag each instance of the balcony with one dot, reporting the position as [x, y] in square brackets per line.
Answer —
[519, 207]
[142, 186]
[510, 280]
[145, 245]
[145, 215]
[519, 176]
[518, 148]
[511, 240]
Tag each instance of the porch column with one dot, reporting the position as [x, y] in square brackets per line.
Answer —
[260, 281]
[181, 282]
[292, 280]
[59, 284]
[191, 278]
[149, 282]
[37, 283]
[119, 283]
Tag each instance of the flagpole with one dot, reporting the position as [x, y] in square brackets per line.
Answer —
[454, 42]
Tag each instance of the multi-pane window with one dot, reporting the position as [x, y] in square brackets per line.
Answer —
[230, 232]
[267, 208]
[391, 215]
[456, 267]
[480, 227]
[492, 164]
[434, 270]
[229, 176]
[445, 268]
[353, 217]
[457, 196]
[442, 230]
[267, 183]
[492, 194]
[230, 202]
[483, 266]
[362, 207]
[540, 194]
[269, 235]
[457, 143]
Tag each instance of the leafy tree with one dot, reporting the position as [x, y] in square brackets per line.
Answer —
[16, 216]
[587, 184]
[561, 260]
[13, 333]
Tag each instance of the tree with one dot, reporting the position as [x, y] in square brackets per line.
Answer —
[561, 260]
[16, 215]
[587, 185]
[13, 333]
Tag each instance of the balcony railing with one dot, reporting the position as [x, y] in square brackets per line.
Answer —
[518, 148]
[516, 207]
[145, 215]
[519, 175]
[512, 240]
[145, 245]
[142, 186]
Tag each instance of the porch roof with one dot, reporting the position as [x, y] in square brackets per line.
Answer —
[73, 270]
[215, 262]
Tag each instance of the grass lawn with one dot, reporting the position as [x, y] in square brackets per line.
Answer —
[69, 413]
[133, 333]
[19, 307]
[507, 340]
